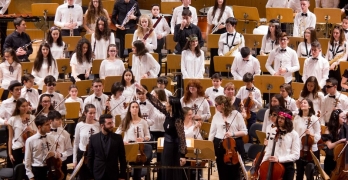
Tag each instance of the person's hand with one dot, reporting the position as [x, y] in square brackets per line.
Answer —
[183, 23]
[333, 65]
[58, 155]
[273, 159]
[87, 75]
[342, 140]
[222, 26]
[197, 117]
[282, 70]
[120, 27]
[20, 51]
[140, 139]
[298, 102]
[265, 142]
[12, 158]
[262, 54]
[32, 178]
[77, 79]
[74, 165]
[182, 161]
[276, 74]
[307, 132]
[132, 17]
[228, 134]
[144, 76]
[159, 36]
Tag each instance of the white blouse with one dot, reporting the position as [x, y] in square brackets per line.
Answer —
[213, 19]
[191, 65]
[337, 49]
[316, 102]
[200, 105]
[100, 47]
[129, 93]
[111, 68]
[268, 45]
[151, 41]
[300, 126]
[17, 125]
[80, 68]
[57, 51]
[6, 76]
[132, 133]
[146, 65]
[304, 50]
[192, 132]
[45, 71]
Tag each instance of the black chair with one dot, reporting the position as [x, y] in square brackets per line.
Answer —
[253, 150]
[252, 133]
[260, 115]
[16, 173]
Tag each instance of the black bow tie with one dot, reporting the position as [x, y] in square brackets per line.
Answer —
[14, 101]
[99, 99]
[345, 30]
[228, 34]
[250, 89]
[154, 17]
[55, 130]
[333, 96]
[29, 90]
[282, 50]
[185, 8]
[72, 6]
[216, 90]
[304, 14]
[314, 58]
[42, 137]
[51, 95]
[142, 103]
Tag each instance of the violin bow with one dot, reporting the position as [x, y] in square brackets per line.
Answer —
[56, 142]
[117, 105]
[66, 97]
[313, 123]
[227, 129]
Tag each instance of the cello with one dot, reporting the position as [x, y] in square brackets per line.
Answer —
[307, 142]
[341, 169]
[27, 134]
[141, 157]
[254, 170]
[272, 170]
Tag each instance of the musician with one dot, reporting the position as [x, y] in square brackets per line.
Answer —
[194, 98]
[62, 137]
[178, 13]
[144, 64]
[287, 148]
[284, 60]
[86, 127]
[344, 83]
[218, 132]
[39, 148]
[334, 134]
[56, 98]
[45, 104]
[337, 51]
[3, 26]
[10, 69]
[311, 90]
[185, 29]
[101, 38]
[326, 3]
[277, 4]
[333, 100]
[73, 91]
[125, 24]
[304, 48]
[98, 99]
[18, 125]
[345, 26]
[305, 123]
[230, 91]
[28, 92]
[112, 65]
[191, 127]
[117, 100]
[244, 63]
[290, 103]
[128, 81]
[304, 19]
[81, 61]
[69, 17]
[19, 41]
[162, 83]
[162, 30]
[270, 40]
[103, 167]
[95, 10]
[273, 115]
[215, 90]
[192, 59]
[144, 28]
[55, 40]
[231, 41]
[8, 106]
[44, 65]
[277, 101]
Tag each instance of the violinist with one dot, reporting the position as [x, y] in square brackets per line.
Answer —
[8, 106]
[116, 98]
[64, 146]
[219, 133]
[308, 128]
[18, 125]
[98, 98]
[44, 103]
[286, 91]
[56, 98]
[276, 100]
[251, 97]
[216, 89]
[287, 148]
[86, 126]
[28, 92]
[333, 136]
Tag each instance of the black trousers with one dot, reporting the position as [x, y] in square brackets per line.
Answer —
[3, 31]
[301, 167]
[160, 44]
[251, 121]
[329, 164]
[84, 173]
[40, 173]
[80, 76]
[18, 155]
[66, 32]
[289, 171]
[121, 35]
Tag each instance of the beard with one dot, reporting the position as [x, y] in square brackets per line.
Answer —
[108, 130]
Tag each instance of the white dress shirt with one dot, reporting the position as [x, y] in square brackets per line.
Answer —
[295, 5]
[218, 127]
[213, 19]
[99, 105]
[140, 129]
[57, 98]
[79, 100]
[232, 40]
[212, 93]
[117, 106]
[17, 125]
[111, 68]
[64, 142]
[146, 65]
[277, 4]
[177, 16]
[192, 131]
[336, 49]
[155, 118]
[303, 22]
[200, 104]
[4, 4]
[268, 45]
[79, 68]
[241, 67]
[57, 51]
[6, 109]
[318, 68]
[243, 93]
[304, 50]
[6, 76]
[317, 102]
[82, 133]
[66, 15]
[31, 96]
[79, 2]
[191, 65]
[129, 93]
[266, 121]
[287, 59]
[150, 42]
[327, 3]
[300, 126]
[45, 71]
[329, 103]
[162, 27]
[290, 104]
[100, 47]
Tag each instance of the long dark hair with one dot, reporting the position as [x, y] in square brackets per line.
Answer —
[334, 124]
[226, 101]
[39, 58]
[86, 109]
[50, 38]
[78, 51]
[19, 103]
[188, 44]
[106, 31]
[12, 53]
[277, 31]
[140, 47]
[222, 10]
[306, 93]
[311, 110]
[280, 99]
[177, 112]
[92, 12]
[288, 125]
[126, 121]
[341, 38]
[123, 82]
[313, 36]
[40, 107]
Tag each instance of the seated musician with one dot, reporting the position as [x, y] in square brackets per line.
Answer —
[8, 106]
[98, 98]
[55, 41]
[311, 90]
[192, 59]
[19, 41]
[95, 10]
[306, 124]
[304, 48]
[244, 63]
[212, 92]
[277, 101]
[112, 65]
[273, 114]
[345, 26]
[270, 40]
[69, 17]
[144, 27]
[326, 3]
[284, 60]
[117, 100]
[28, 92]
[303, 19]
[230, 42]
[177, 12]
[81, 61]
[227, 124]
[287, 148]
[162, 82]
[45, 105]
[290, 103]
[57, 99]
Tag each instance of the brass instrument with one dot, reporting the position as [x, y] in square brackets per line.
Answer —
[336, 58]
[71, 30]
[229, 53]
[301, 27]
[130, 12]
[216, 28]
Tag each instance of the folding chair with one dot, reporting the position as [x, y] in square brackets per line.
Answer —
[118, 121]
[294, 41]
[324, 42]
[213, 40]
[173, 62]
[212, 112]
[168, 7]
[89, 36]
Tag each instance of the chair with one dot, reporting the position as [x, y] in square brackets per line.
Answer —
[72, 111]
[205, 129]
[261, 114]
[16, 173]
[324, 42]
[297, 88]
[173, 61]
[64, 66]
[109, 81]
[61, 87]
[170, 43]
[128, 41]
[71, 42]
[343, 66]
[130, 58]
[118, 120]
[301, 61]
[262, 60]
[212, 112]
[223, 63]
[252, 133]
[27, 67]
[261, 136]
[96, 66]
[84, 87]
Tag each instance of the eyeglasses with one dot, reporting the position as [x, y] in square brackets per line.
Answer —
[328, 86]
[51, 84]
[284, 39]
[273, 115]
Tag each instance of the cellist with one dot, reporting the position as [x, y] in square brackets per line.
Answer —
[236, 129]
[287, 148]
[306, 124]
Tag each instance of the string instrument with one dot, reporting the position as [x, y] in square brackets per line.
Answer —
[272, 170]
[229, 144]
[248, 104]
[56, 106]
[307, 142]
[254, 170]
[27, 134]
[117, 106]
[107, 109]
[85, 160]
[340, 171]
[196, 108]
[141, 157]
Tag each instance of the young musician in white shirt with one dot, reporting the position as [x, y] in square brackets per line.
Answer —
[98, 99]
[290, 103]
[28, 92]
[270, 40]
[112, 65]
[192, 59]
[304, 48]
[144, 28]
[215, 90]
[8, 106]
[128, 81]
[311, 90]
[45, 105]
[303, 19]
[191, 127]
[276, 101]
[231, 39]
[117, 100]
[284, 60]
[55, 40]
[244, 63]
[81, 61]
[101, 38]
[56, 98]
[326, 3]
[69, 17]
[162, 83]
[177, 18]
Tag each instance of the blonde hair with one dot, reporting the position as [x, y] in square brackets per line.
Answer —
[141, 31]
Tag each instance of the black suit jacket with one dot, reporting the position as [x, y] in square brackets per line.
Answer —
[105, 166]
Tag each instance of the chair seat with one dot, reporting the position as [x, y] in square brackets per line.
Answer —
[3, 153]
[247, 147]
[6, 173]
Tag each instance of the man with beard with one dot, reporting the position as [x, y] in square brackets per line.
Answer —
[105, 150]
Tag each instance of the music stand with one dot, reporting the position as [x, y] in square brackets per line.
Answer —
[268, 84]
[109, 81]
[213, 41]
[44, 9]
[64, 66]
[189, 144]
[294, 42]
[71, 42]
[282, 14]
[27, 67]
[261, 136]
[328, 16]
[131, 153]
[84, 87]
[223, 64]
[317, 164]
[253, 40]
[168, 7]
[246, 14]
[96, 66]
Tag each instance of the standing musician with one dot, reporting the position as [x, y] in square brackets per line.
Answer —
[307, 126]
[69, 17]
[19, 41]
[56, 98]
[18, 130]
[86, 127]
[81, 61]
[8, 106]
[270, 40]
[62, 138]
[128, 81]
[105, 151]
[101, 38]
[227, 124]
[177, 12]
[287, 148]
[244, 63]
[304, 19]
[231, 41]
[98, 99]
[192, 59]
[73, 92]
[125, 16]
[145, 33]
[284, 60]
[45, 104]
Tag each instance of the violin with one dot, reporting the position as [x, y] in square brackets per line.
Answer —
[27, 134]
[141, 157]
[272, 170]
[248, 104]
[54, 166]
[254, 170]
[341, 167]
[85, 160]
[307, 142]
[229, 144]
[107, 109]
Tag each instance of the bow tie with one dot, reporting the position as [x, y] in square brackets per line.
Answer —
[314, 58]
[282, 50]
[228, 34]
[216, 90]
[345, 30]
[250, 89]
[154, 17]
[14, 101]
[72, 6]
[55, 130]
[42, 137]
[99, 99]
[333, 96]
[29, 90]
[304, 14]
[142, 103]
[51, 95]
[185, 8]
[282, 132]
